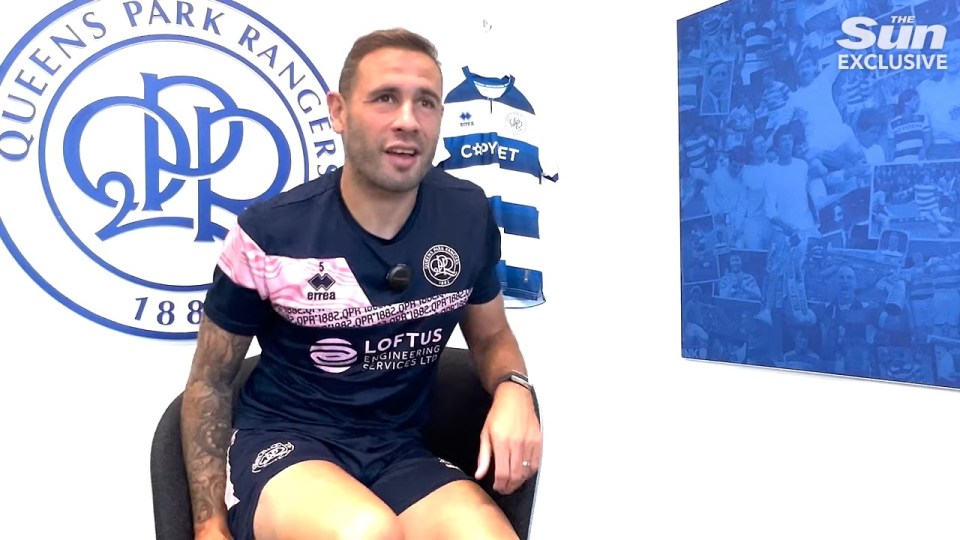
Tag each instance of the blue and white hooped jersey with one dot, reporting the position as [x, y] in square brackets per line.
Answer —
[491, 136]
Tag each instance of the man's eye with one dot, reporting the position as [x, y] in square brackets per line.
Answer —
[385, 98]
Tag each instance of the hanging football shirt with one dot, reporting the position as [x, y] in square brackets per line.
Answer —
[491, 136]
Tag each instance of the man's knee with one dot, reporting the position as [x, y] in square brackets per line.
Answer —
[317, 499]
[356, 524]
[370, 524]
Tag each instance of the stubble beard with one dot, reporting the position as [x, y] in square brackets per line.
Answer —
[372, 171]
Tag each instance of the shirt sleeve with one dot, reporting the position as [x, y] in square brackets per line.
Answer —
[237, 299]
[488, 286]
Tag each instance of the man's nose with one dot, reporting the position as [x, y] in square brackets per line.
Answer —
[406, 118]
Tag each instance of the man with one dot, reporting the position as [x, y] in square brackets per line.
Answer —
[756, 228]
[787, 206]
[926, 197]
[737, 284]
[352, 284]
[801, 357]
[893, 247]
[849, 327]
[940, 105]
[716, 95]
[812, 104]
[910, 129]
[787, 198]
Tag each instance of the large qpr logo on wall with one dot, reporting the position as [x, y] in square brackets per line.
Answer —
[132, 134]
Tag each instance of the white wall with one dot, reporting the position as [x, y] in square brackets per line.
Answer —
[640, 443]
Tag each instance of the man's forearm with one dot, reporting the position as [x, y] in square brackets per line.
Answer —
[205, 420]
[496, 356]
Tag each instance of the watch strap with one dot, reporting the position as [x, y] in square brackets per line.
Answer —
[518, 378]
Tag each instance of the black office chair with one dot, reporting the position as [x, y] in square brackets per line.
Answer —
[459, 409]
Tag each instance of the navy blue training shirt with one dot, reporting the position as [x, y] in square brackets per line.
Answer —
[339, 347]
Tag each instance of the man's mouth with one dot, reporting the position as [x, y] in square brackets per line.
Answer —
[402, 157]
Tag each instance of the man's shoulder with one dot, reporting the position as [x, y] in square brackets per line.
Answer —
[450, 189]
[285, 205]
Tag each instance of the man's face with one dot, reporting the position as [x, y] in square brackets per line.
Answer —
[696, 294]
[390, 123]
[785, 146]
[913, 104]
[736, 165]
[847, 281]
[723, 161]
[894, 242]
[807, 71]
[760, 145]
[718, 78]
[735, 264]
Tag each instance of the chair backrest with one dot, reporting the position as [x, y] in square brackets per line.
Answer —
[459, 409]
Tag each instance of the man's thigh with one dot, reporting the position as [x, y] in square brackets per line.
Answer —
[290, 484]
[318, 499]
[457, 510]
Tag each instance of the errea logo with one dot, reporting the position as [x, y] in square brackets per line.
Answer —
[132, 134]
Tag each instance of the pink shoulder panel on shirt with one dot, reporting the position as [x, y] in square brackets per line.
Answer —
[319, 293]
[287, 280]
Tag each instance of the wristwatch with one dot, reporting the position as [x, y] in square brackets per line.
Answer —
[517, 377]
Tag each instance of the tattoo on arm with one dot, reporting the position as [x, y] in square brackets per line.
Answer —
[206, 417]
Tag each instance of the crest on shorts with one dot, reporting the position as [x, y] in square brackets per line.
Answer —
[441, 265]
[448, 464]
[273, 454]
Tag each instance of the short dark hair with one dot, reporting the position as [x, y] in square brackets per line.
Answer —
[393, 38]
[904, 97]
[782, 132]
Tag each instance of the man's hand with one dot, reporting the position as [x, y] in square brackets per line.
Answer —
[213, 532]
[512, 434]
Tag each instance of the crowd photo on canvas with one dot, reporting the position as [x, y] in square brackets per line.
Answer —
[819, 216]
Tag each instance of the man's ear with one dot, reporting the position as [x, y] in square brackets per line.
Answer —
[337, 106]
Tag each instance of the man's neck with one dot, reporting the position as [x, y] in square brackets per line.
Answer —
[381, 213]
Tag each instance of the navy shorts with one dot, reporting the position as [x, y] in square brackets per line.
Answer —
[398, 469]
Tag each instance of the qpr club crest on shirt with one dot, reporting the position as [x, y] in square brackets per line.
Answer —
[132, 135]
[515, 123]
[441, 265]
